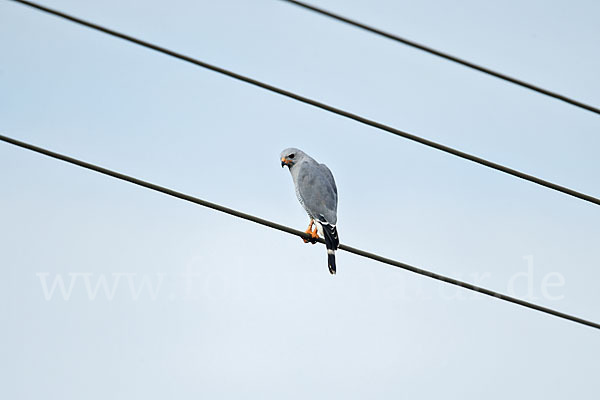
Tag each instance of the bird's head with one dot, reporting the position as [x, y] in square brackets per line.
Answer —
[290, 157]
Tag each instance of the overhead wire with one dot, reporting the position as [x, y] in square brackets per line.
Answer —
[292, 231]
[315, 103]
[444, 55]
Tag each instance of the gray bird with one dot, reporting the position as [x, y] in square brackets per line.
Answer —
[317, 193]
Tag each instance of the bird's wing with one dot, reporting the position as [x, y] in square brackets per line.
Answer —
[329, 177]
[318, 191]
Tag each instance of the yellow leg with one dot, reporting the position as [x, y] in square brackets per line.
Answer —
[314, 234]
[309, 229]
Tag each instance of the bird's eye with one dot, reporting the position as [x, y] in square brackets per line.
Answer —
[291, 156]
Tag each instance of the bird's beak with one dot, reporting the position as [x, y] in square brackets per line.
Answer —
[284, 162]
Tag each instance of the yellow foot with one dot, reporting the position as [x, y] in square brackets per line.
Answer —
[309, 231]
[313, 235]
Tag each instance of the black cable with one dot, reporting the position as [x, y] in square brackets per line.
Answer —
[286, 229]
[323, 106]
[446, 56]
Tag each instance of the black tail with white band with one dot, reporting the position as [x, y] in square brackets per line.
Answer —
[332, 241]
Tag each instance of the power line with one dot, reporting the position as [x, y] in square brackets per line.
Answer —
[318, 104]
[291, 231]
[446, 56]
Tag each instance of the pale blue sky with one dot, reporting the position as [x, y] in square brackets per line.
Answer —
[261, 317]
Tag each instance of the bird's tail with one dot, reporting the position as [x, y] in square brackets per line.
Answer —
[332, 241]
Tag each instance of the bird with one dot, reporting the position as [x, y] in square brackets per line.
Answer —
[317, 193]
